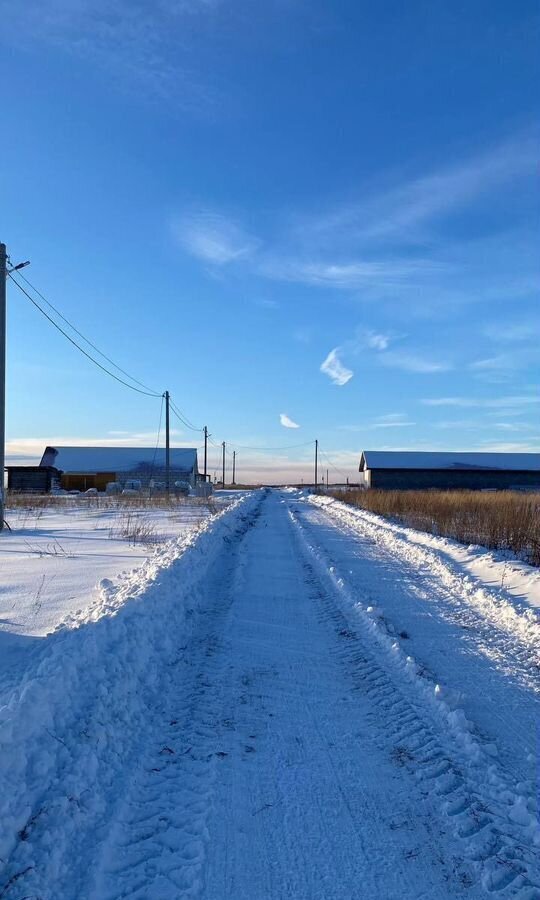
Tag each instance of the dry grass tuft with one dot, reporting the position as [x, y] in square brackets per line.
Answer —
[506, 520]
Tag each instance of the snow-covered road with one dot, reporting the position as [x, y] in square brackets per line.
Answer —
[312, 715]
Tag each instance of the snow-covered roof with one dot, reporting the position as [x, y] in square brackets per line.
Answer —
[419, 459]
[117, 459]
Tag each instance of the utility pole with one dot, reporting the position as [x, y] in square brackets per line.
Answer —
[3, 278]
[167, 448]
[327, 479]
[234, 467]
[223, 475]
[316, 464]
[205, 450]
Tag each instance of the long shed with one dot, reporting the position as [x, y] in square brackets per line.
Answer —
[448, 470]
[86, 467]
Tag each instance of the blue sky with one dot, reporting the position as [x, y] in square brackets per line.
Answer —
[286, 213]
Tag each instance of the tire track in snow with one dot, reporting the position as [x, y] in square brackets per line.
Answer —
[307, 806]
[490, 670]
[104, 689]
[157, 846]
[487, 811]
[512, 630]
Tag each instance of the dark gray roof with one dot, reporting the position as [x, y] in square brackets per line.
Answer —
[420, 459]
[117, 459]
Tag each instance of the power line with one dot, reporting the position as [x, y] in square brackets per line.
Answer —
[83, 336]
[183, 418]
[330, 463]
[148, 393]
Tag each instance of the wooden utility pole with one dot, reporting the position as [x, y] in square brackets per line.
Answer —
[223, 467]
[316, 464]
[234, 467]
[3, 278]
[205, 451]
[167, 447]
[327, 479]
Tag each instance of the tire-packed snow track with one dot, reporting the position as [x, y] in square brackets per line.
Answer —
[72, 734]
[276, 743]
[491, 809]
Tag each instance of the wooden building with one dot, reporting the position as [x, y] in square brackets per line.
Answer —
[420, 470]
[33, 479]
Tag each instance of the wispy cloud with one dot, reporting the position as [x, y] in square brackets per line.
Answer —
[141, 45]
[346, 275]
[287, 422]
[377, 341]
[214, 238]
[409, 362]
[520, 400]
[334, 368]
[513, 332]
[33, 447]
[392, 420]
[512, 447]
[402, 210]
[492, 363]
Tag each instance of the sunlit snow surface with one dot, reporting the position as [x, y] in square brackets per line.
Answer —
[294, 699]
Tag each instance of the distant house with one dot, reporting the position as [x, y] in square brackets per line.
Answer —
[417, 470]
[86, 467]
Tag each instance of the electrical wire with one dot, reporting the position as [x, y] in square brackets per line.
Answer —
[143, 388]
[182, 418]
[148, 393]
[270, 449]
[330, 463]
[81, 335]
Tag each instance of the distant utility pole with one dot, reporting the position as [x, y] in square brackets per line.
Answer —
[167, 447]
[3, 278]
[316, 464]
[234, 467]
[205, 450]
[327, 479]
[223, 474]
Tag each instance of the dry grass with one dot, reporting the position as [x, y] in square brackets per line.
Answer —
[135, 528]
[506, 520]
[36, 503]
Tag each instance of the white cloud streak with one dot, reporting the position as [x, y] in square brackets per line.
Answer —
[411, 363]
[522, 401]
[400, 210]
[287, 422]
[392, 420]
[334, 368]
[142, 46]
[213, 238]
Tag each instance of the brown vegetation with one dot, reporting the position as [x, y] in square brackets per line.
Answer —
[505, 520]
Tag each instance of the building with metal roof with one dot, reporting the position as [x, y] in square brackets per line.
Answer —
[449, 470]
[85, 467]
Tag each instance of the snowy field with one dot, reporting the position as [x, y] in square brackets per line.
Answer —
[54, 559]
[287, 699]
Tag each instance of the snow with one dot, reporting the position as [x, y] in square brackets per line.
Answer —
[53, 560]
[116, 459]
[425, 459]
[295, 699]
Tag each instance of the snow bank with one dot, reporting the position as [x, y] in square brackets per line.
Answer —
[69, 725]
[495, 814]
[506, 592]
